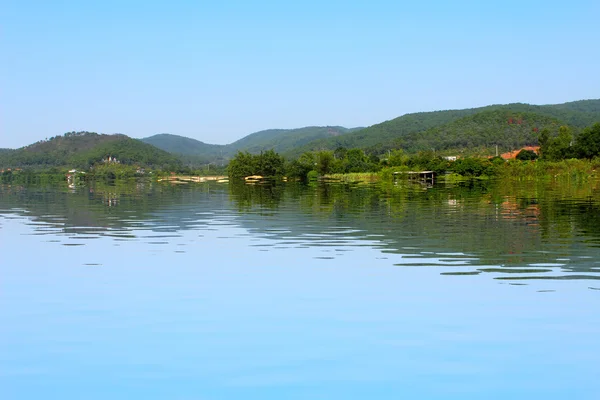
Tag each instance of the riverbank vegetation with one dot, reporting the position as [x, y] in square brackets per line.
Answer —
[456, 144]
[560, 155]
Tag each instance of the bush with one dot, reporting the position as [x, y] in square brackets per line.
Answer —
[473, 167]
[312, 176]
[268, 164]
[526, 155]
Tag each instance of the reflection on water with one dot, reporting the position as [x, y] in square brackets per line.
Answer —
[518, 232]
[331, 291]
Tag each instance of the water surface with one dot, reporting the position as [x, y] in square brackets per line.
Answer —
[292, 292]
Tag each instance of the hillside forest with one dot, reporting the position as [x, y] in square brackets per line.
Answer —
[429, 140]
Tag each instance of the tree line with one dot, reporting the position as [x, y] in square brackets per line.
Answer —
[563, 145]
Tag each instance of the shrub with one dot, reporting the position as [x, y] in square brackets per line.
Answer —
[526, 155]
[312, 176]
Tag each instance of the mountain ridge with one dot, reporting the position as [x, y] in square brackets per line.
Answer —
[84, 149]
[461, 130]
[270, 139]
[388, 135]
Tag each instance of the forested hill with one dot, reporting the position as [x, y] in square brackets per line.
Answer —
[183, 145]
[589, 108]
[465, 131]
[578, 114]
[385, 134]
[280, 140]
[401, 132]
[83, 149]
[483, 131]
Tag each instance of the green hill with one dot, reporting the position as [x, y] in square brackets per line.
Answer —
[280, 140]
[474, 130]
[83, 149]
[584, 106]
[183, 145]
[385, 134]
[402, 131]
[483, 131]
[578, 114]
[283, 140]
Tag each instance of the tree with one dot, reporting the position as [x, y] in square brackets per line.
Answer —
[560, 147]
[241, 165]
[473, 167]
[270, 164]
[356, 161]
[526, 155]
[397, 158]
[544, 141]
[340, 153]
[295, 170]
[588, 142]
[302, 166]
[324, 162]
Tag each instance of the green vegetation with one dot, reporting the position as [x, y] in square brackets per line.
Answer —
[588, 142]
[354, 177]
[384, 136]
[468, 132]
[196, 153]
[574, 170]
[130, 152]
[109, 172]
[567, 145]
[192, 152]
[282, 140]
[482, 132]
[526, 155]
[84, 149]
[268, 164]
[454, 141]
[340, 161]
[556, 152]
[17, 176]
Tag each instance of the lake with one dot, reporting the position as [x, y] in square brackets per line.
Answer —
[331, 291]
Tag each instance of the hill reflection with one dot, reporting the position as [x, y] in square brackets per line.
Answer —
[515, 231]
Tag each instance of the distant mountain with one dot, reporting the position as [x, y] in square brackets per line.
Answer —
[578, 114]
[384, 133]
[280, 140]
[183, 145]
[402, 132]
[468, 130]
[584, 106]
[83, 149]
[482, 131]
[283, 140]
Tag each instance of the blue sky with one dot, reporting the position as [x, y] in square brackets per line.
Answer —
[217, 71]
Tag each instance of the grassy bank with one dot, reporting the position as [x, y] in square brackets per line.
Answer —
[573, 169]
[576, 170]
[354, 177]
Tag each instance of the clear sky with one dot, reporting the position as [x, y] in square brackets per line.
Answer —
[219, 70]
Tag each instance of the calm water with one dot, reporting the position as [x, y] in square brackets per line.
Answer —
[289, 292]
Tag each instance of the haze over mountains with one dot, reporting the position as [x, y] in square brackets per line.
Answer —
[466, 131]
